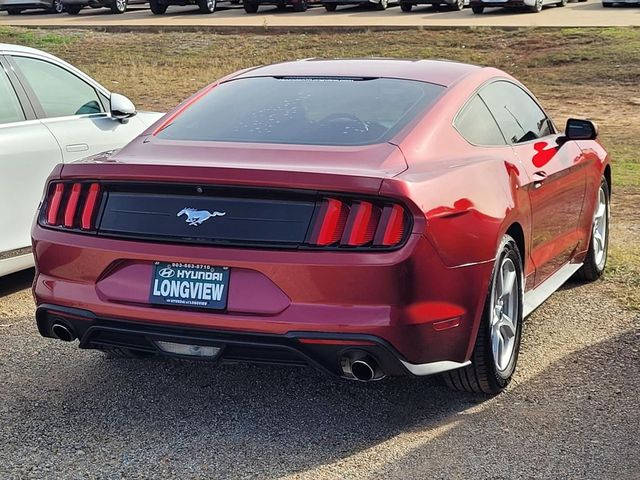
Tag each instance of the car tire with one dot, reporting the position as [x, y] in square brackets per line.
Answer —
[382, 4]
[250, 6]
[118, 6]
[300, 6]
[457, 5]
[330, 7]
[477, 9]
[562, 3]
[406, 6]
[56, 7]
[596, 259]
[73, 9]
[497, 345]
[207, 6]
[537, 8]
[157, 8]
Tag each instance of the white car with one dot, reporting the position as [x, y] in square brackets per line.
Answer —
[50, 113]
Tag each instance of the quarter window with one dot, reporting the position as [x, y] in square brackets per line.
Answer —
[59, 92]
[476, 124]
[518, 115]
[10, 109]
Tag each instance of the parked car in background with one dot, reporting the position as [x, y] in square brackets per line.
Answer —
[14, 7]
[365, 217]
[331, 5]
[159, 7]
[607, 3]
[73, 7]
[251, 6]
[535, 6]
[407, 5]
[50, 113]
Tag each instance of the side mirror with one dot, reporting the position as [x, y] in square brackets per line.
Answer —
[121, 107]
[581, 130]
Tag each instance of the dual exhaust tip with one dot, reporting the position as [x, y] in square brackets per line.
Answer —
[361, 366]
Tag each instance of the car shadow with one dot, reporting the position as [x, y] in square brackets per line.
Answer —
[15, 282]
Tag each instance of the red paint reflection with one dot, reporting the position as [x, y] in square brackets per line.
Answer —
[542, 157]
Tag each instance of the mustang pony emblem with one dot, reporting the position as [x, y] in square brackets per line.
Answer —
[197, 217]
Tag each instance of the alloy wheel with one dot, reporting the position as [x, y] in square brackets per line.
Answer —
[121, 5]
[57, 6]
[600, 225]
[504, 314]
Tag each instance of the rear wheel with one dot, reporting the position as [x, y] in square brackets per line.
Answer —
[457, 5]
[596, 258]
[250, 6]
[207, 6]
[477, 9]
[537, 8]
[119, 6]
[330, 7]
[382, 5]
[56, 6]
[563, 3]
[495, 353]
[157, 8]
[73, 9]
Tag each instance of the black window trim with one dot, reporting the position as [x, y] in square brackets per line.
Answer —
[37, 107]
[508, 143]
[24, 101]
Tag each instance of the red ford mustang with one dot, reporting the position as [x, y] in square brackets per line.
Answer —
[366, 217]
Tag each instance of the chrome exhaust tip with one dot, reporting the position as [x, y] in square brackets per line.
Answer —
[361, 367]
[60, 331]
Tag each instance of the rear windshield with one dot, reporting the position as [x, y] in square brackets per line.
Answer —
[303, 110]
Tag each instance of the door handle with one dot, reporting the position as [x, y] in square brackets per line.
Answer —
[538, 178]
[77, 147]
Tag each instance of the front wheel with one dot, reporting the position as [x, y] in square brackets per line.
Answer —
[207, 6]
[119, 6]
[250, 6]
[157, 8]
[596, 258]
[495, 353]
[477, 9]
[457, 5]
[382, 5]
[537, 8]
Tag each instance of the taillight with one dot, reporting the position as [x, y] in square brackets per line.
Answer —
[72, 205]
[358, 223]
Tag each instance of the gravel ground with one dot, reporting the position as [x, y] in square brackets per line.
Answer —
[572, 412]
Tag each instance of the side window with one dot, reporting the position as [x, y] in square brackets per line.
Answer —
[476, 124]
[518, 115]
[10, 109]
[59, 92]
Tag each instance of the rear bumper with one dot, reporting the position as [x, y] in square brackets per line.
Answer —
[423, 311]
[325, 352]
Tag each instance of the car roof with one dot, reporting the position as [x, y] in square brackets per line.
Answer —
[441, 72]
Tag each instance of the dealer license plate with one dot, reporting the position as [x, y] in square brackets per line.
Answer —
[189, 285]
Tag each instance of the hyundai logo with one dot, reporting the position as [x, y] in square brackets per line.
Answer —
[167, 272]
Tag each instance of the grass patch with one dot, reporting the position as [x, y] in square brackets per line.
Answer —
[35, 38]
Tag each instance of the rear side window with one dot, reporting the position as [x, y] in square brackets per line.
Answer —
[303, 110]
[476, 124]
[59, 92]
[10, 109]
[520, 118]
